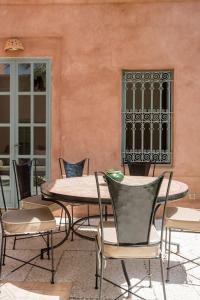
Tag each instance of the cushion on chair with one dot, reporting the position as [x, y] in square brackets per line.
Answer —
[30, 290]
[182, 218]
[37, 202]
[28, 221]
[111, 249]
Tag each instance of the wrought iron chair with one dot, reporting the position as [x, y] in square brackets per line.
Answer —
[26, 223]
[181, 219]
[68, 169]
[132, 234]
[26, 200]
[140, 168]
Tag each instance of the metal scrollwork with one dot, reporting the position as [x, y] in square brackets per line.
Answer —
[147, 117]
[129, 117]
[129, 157]
[156, 76]
[137, 117]
[138, 76]
[159, 158]
[147, 76]
[164, 117]
[147, 157]
[155, 117]
[137, 156]
[165, 76]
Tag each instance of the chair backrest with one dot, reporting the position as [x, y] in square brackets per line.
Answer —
[133, 209]
[140, 168]
[22, 174]
[69, 169]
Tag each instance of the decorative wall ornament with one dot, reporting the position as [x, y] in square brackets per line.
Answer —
[13, 45]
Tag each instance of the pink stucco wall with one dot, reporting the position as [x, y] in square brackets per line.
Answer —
[90, 43]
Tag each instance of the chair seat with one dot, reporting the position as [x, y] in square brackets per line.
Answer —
[183, 218]
[112, 250]
[37, 202]
[28, 221]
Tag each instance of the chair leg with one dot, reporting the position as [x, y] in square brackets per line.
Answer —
[126, 277]
[65, 221]
[163, 281]
[4, 251]
[88, 213]
[166, 233]
[60, 219]
[149, 273]
[52, 259]
[101, 275]
[48, 252]
[1, 254]
[96, 273]
[169, 252]
[14, 244]
[106, 213]
[72, 211]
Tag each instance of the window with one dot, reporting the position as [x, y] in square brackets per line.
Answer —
[147, 116]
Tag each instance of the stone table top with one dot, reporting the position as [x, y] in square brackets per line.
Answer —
[83, 189]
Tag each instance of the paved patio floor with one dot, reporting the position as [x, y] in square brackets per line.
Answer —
[75, 262]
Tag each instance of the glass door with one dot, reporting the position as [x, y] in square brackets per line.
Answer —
[24, 118]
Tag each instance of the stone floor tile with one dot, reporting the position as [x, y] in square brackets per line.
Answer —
[75, 261]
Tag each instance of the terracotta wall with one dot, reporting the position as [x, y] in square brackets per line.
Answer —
[90, 44]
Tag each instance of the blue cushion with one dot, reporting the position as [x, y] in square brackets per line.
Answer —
[74, 170]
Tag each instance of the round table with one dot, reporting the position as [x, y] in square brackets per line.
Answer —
[82, 190]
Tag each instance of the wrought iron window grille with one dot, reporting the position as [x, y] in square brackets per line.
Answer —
[147, 116]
